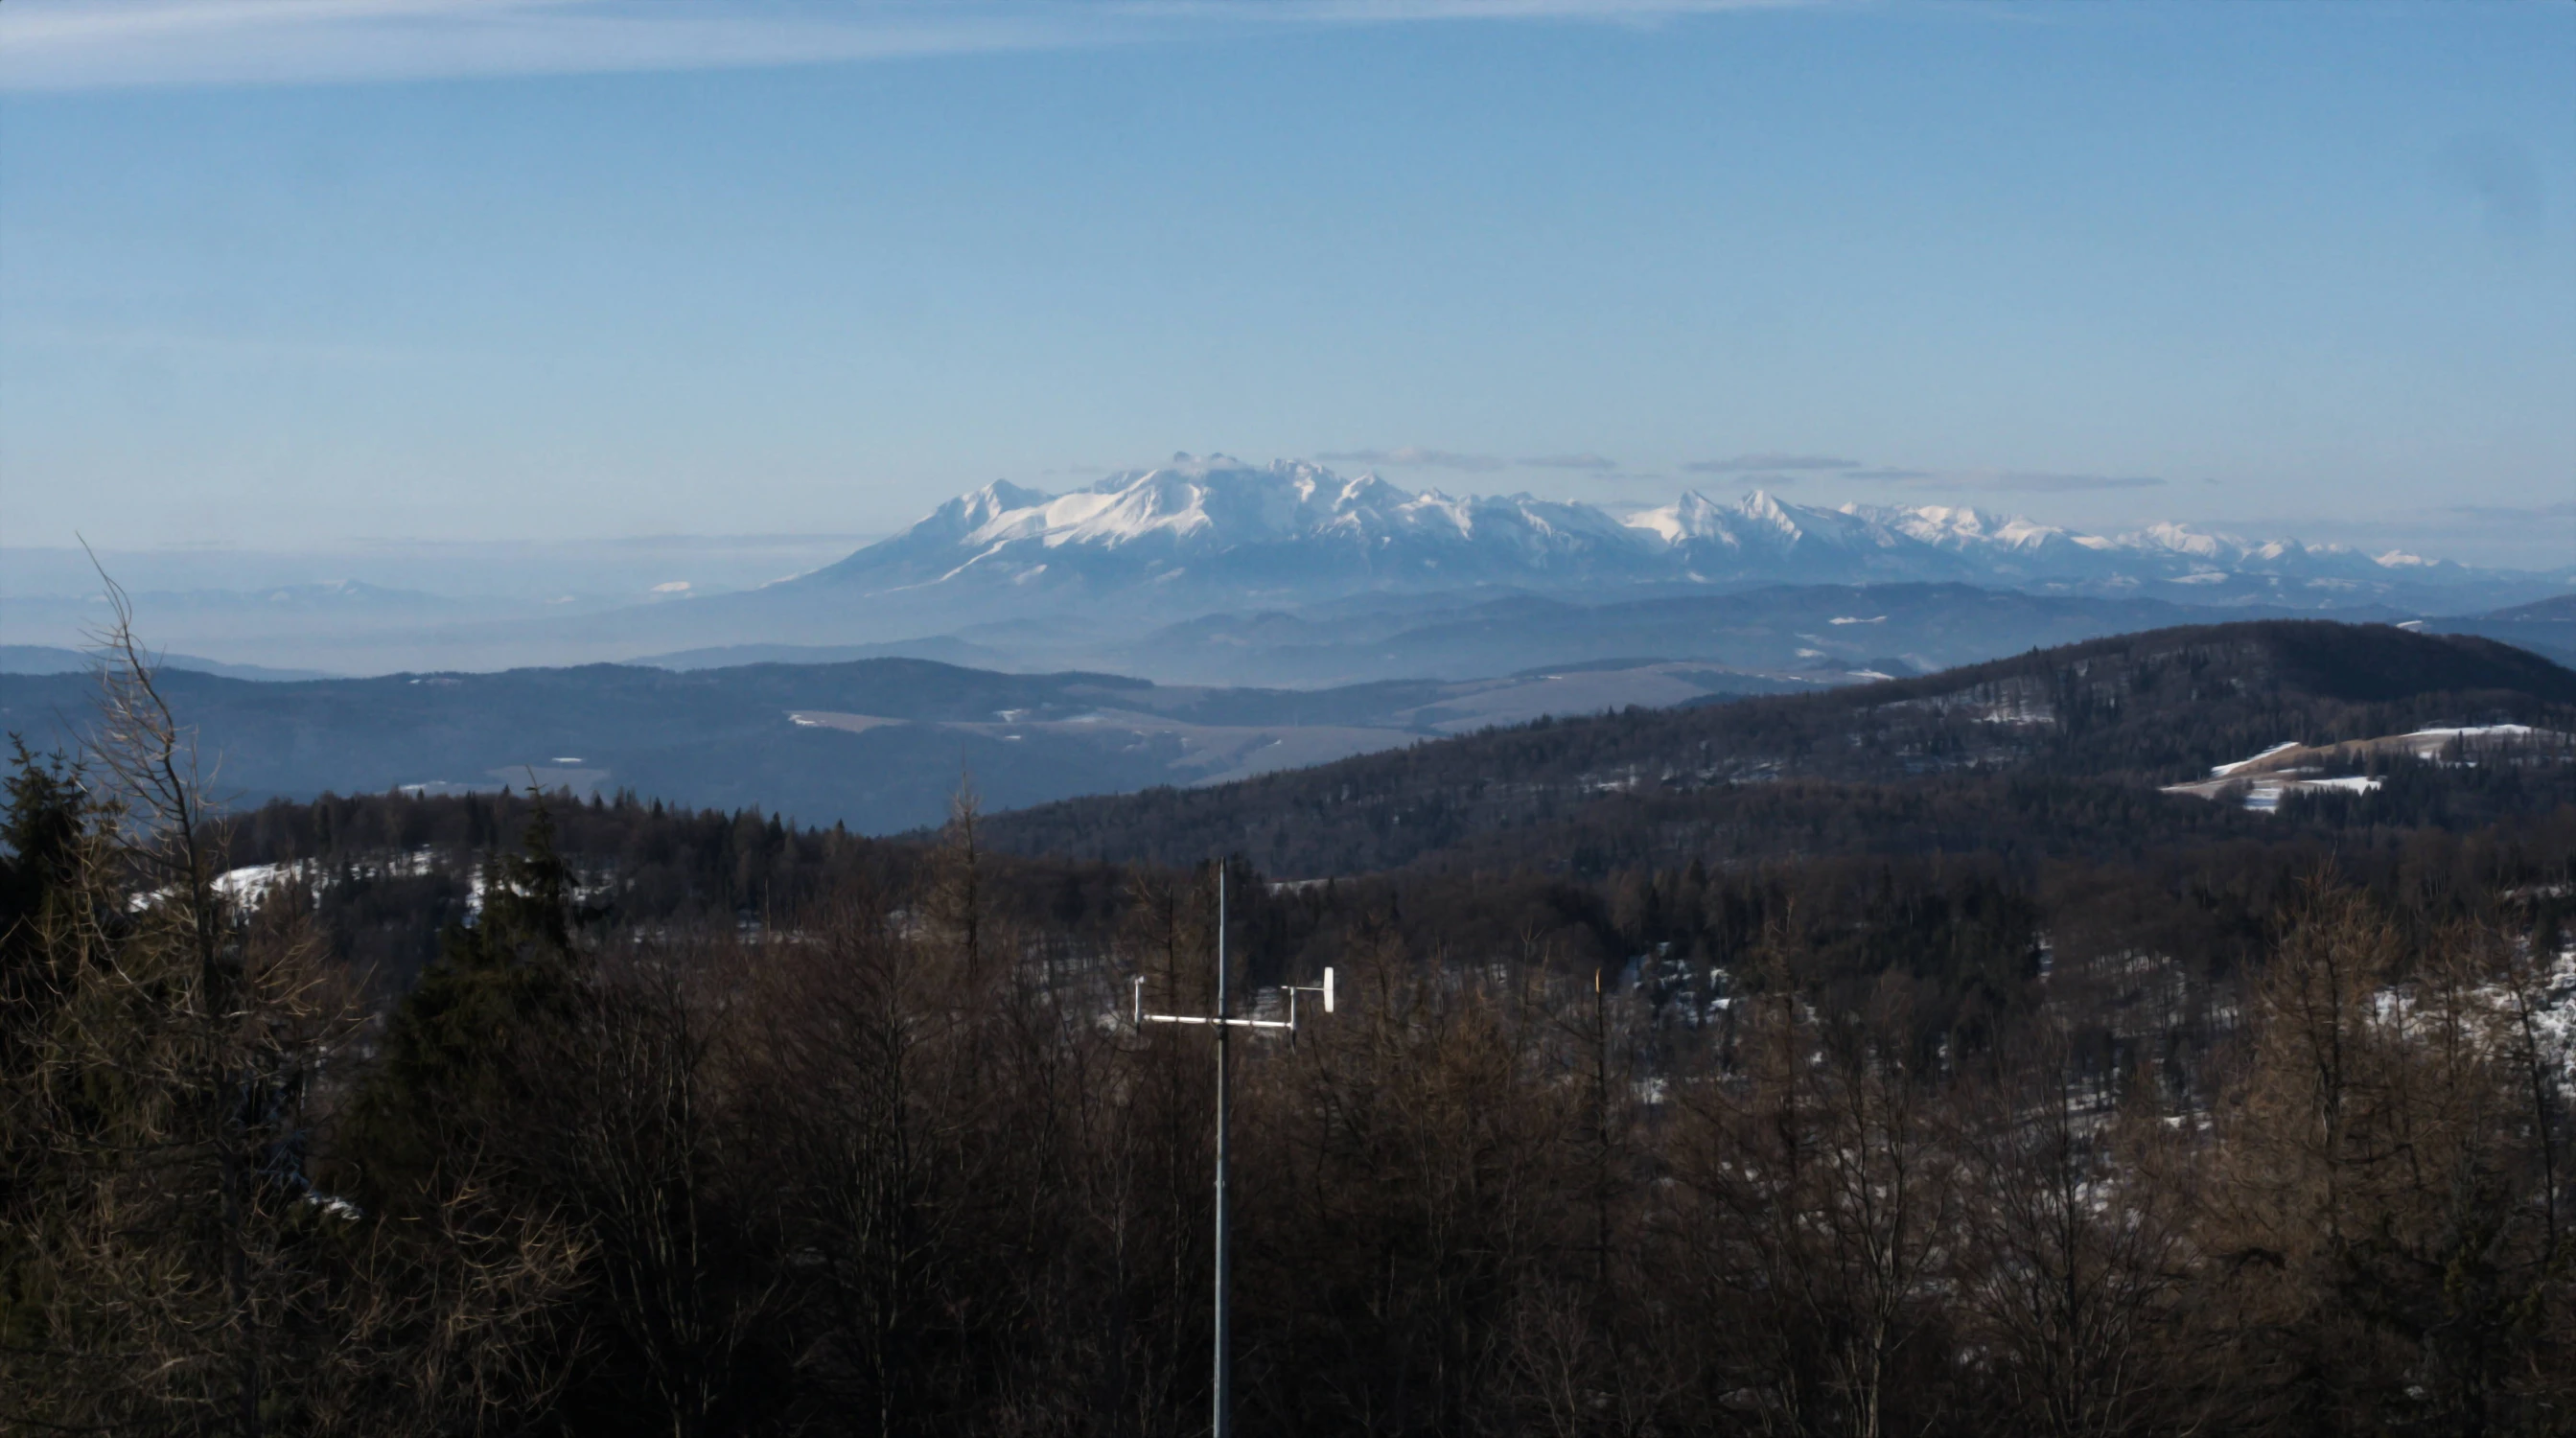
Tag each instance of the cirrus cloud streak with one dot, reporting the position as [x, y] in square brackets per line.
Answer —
[1769, 464]
[1412, 456]
[108, 44]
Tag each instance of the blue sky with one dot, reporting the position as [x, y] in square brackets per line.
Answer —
[297, 272]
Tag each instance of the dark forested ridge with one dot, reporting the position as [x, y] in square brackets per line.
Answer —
[2059, 747]
[1951, 1082]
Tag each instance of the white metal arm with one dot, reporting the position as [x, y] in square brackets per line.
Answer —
[1325, 988]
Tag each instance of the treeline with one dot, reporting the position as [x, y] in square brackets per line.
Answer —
[388, 872]
[1874, 876]
[1490, 825]
[1863, 1147]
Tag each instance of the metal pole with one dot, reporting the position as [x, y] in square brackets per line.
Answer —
[1224, 1370]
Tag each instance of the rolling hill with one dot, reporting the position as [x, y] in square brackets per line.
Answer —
[2063, 746]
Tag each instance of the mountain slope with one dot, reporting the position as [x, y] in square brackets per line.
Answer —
[2546, 626]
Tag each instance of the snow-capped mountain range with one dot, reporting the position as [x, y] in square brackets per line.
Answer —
[1215, 531]
[1210, 570]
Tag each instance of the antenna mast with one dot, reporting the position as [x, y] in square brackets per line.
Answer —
[1222, 1395]
[1223, 1424]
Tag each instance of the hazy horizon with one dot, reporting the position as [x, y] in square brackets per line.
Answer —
[646, 566]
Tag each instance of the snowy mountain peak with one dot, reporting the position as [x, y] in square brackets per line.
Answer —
[1760, 520]
[1211, 531]
[980, 506]
[1693, 516]
[1760, 505]
[1958, 527]
[2181, 539]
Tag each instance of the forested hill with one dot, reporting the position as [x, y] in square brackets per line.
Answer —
[2060, 748]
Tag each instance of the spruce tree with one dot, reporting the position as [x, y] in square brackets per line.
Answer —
[454, 1058]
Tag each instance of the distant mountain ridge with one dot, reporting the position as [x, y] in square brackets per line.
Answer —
[1289, 524]
[2545, 627]
[880, 744]
[54, 659]
[1214, 531]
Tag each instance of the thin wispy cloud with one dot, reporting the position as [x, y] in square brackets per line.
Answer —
[1392, 12]
[2033, 482]
[179, 345]
[1595, 463]
[1769, 470]
[1768, 464]
[98, 44]
[2514, 514]
[1790, 468]
[101, 44]
[1994, 481]
[1414, 457]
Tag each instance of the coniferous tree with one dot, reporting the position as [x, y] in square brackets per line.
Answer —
[457, 1052]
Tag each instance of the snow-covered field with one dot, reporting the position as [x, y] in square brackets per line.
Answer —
[2260, 781]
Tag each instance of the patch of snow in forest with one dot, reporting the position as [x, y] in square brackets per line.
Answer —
[2264, 796]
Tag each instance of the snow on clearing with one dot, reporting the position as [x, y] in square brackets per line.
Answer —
[2260, 782]
[248, 885]
[2223, 770]
[2481, 731]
